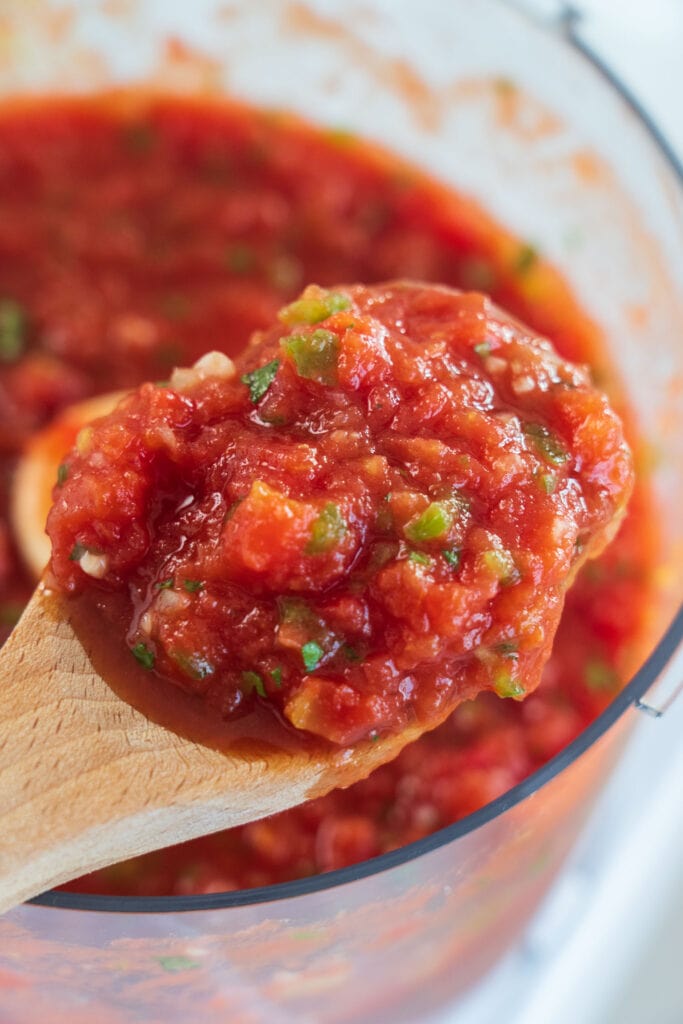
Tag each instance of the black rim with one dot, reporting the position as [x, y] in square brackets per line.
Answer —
[633, 692]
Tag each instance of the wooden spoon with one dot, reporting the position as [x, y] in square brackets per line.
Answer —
[87, 780]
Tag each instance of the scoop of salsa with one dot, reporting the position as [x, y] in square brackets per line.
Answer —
[372, 515]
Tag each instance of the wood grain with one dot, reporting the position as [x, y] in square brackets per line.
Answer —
[86, 780]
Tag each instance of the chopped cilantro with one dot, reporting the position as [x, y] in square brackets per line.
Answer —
[77, 552]
[350, 653]
[546, 443]
[12, 330]
[252, 681]
[164, 584]
[259, 380]
[507, 648]
[314, 355]
[327, 530]
[312, 654]
[314, 305]
[192, 586]
[62, 474]
[276, 676]
[144, 655]
[452, 557]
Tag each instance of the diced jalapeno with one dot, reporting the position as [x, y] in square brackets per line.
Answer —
[501, 563]
[505, 686]
[143, 655]
[419, 558]
[12, 330]
[252, 681]
[315, 304]
[327, 530]
[312, 654]
[276, 676]
[314, 355]
[436, 520]
[546, 443]
[259, 380]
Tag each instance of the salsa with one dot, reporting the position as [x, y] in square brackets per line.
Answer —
[372, 515]
[139, 233]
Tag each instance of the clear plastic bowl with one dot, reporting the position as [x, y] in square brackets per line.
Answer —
[574, 167]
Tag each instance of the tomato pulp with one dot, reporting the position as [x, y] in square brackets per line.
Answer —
[137, 236]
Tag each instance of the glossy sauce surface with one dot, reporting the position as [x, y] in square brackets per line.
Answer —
[137, 235]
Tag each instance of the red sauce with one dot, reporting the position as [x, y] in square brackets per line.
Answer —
[137, 235]
[374, 515]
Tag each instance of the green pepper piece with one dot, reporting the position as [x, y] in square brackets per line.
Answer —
[327, 530]
[314, 355]
[314, 305]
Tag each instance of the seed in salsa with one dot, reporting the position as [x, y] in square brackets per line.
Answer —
[352, 523]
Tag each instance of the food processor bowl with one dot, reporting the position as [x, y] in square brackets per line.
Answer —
[574, 168]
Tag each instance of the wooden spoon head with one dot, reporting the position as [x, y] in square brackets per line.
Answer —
[87, 779]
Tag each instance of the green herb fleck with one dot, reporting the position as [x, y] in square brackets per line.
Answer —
[252, 681]
[165, 584]
[314, 355]
[12, 330]
[192, 586]
[350, 653]
[144, 655]
[259, 380]
[276, 676]
[77, 552]
[452, 557]
[62, 474]
[546, 443]
[526, 258]
[314, 305]
[420, 558]
[240, 258]
[507, 648]
[312, 654]
[173, 964]
[327, 530]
